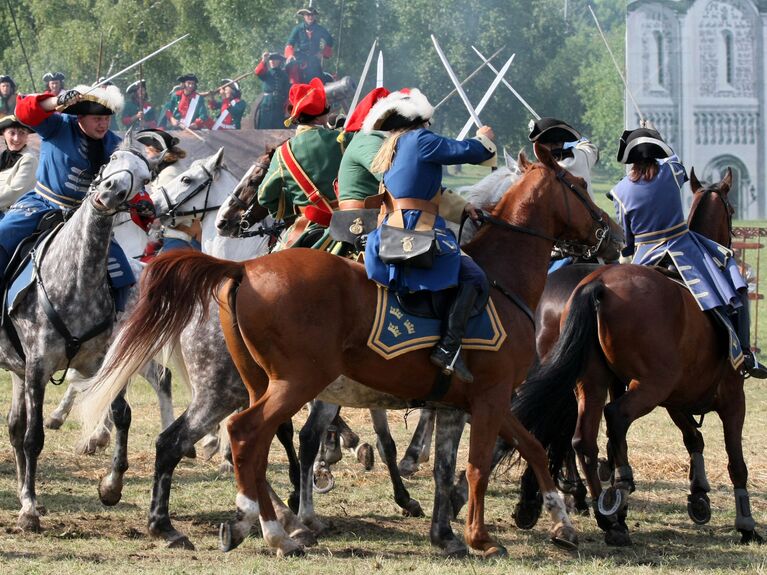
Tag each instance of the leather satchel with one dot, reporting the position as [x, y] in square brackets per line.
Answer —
[349, 225]
[410, 247]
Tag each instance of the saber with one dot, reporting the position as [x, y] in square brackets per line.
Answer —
[488, 94]
[456, 83]
[358, 91]
[144, 59]
[509, 86]
[617, 68]
[379, 70]
[469, 77]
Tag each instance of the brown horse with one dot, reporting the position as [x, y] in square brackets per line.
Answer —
[297, 324]
[632, 332]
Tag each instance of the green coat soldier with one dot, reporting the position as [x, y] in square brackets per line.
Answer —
[308, 44]
[133, 114]
[271, 110]
[186, 107]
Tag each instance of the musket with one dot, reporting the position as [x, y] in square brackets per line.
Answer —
[229, 83]
[617, 68]
[101, 55]
[358, 91]
[486, 97]
[379, 70]
[509, 86]
[456, 83]
[469, 77]
[141, 95]
[23, 51]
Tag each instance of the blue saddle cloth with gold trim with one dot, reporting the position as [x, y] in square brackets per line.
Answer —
[396, 332]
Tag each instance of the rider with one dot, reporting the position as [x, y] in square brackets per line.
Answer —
[75, 144]
[308, 44]
[649, 206]
[303, 169]
[17, 162]
[411, 161]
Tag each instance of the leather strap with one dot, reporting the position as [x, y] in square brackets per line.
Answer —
[299, 227]
[323, 209]
[351, 204]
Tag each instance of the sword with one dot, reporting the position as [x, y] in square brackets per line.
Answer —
[486, 98]
[358, 91]
[379, 70]
[456, 83]
[509, 86]
[144, 59]
[469, 77]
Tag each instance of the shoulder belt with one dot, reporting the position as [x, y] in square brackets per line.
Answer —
[320, 211]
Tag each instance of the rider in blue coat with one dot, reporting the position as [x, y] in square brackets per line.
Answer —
[411, 161]
[648, 203]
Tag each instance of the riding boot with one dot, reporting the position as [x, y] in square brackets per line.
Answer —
[742, 323]
[447, 353]
[4, 261]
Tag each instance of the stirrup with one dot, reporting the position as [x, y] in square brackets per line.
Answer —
[753, 368]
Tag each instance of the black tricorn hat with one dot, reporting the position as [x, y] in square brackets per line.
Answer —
[552, 131]
[53, 76]
[275, 56]
[101, 101]
[156, 138]
[187, 77]
[11, 121]
[642, 144]
[133, 87]
[8, 79]
[308, 10]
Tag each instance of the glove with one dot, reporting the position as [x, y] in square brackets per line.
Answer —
[66, 99]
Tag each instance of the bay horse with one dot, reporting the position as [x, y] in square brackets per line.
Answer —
[669, 355]
[263, 327]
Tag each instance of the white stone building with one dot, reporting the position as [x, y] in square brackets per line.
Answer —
[697, 71]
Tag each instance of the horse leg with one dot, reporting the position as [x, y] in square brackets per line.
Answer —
[418, 450]
[562, 533]
[111, 485]
[733, 413]
[388, 449]
[449, 423]
[574, 479]
[285, 436]
[351, 441]
[159, 377]
[32, 444]
[17, 426]
[698, 504]
[59, 415]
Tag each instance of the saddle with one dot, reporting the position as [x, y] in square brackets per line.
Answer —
[435, 305]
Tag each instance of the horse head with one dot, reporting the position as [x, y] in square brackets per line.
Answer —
[711, 211]
[125, 175]
[241, 209]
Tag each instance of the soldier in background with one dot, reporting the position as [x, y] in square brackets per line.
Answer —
[54, 82]
[186, 107]
[7, 96]
[231, 106]
[138, 111]
[271, 110]
[308, 44]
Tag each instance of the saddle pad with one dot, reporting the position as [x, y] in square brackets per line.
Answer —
[396, 332]
[18, 289]
[734, 351]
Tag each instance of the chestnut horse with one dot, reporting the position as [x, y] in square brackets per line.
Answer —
[297, 324]
[633, 333]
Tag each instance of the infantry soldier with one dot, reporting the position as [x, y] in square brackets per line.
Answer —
[302, 170]
[232, 106]
[186, 107]
[138, 111]
[271, 110]
[54, 82]
[17, 163]
[307, 45]
[7, 96]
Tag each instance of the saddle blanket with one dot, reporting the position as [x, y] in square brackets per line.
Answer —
[396, 332]
[734, 351]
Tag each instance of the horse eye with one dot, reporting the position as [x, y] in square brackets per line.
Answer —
[186, 180]
[146, 181]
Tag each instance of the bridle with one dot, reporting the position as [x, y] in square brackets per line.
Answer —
[124, 206]
[729, 209]
[173, 208]
[248, 209]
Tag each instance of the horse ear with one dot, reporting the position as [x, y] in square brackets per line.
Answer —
[214, 162]
[694, 182]
[726, 184]
[127, 142]
[522, 161]
[511, 163]
[544, 156]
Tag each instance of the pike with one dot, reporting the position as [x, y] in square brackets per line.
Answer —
[469, 77]
[379, 70]
[509, 86]
[486, 97]
[358, 91]
[456, 83]
[23, 51]
[617, 68]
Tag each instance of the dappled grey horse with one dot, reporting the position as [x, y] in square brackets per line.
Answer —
[72, 281]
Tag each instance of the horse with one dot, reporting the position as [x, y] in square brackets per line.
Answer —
[66, 299]
[669, 355]
[546, 207]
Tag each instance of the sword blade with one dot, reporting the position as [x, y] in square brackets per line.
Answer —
[469, 77]
[456, 83]
[379, 70]
[364, 75]
[486, 97]
[509, 86]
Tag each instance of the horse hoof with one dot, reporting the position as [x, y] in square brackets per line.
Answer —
[604, 470]
[110, 494]
[304, 538]
[323, 480]
[365, 456]
[526, 514]
[228, 537]
[53, 422]
[413, 509]
[191, 453]
[699, 508]
[748, 537]
[209, 448]
[181, 543]
[617, 538]
[226, 468]
[292, 552]
[495, 552]
[455, 549]
[610, 501]
[41, 509]
[315, 525]
[564, 537]
[407, 467]
[29, 522]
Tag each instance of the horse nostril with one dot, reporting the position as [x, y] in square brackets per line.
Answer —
[221, 224]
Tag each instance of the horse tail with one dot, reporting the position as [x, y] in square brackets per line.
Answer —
[175, 288]
[545, 403]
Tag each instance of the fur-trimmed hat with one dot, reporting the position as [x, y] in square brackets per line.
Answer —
[101, 101]
[156, 138]
[407, 107]
[133, 87]
[53, 76]
[187, 77]
[360, 112]
[642, 144]
[307, 100]
[12, 121]
[552, 131]
[6, 78]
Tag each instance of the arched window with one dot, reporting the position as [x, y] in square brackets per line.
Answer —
[729, 58]
[659, 59]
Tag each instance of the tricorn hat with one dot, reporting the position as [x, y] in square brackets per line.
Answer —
[53, 76]
[275, 56]
[101, 101]
[307, 100]
[133, 87]
[552, 131]
[8, 79]
[156, 138]
[642, 144]
[11, 121]
[235, 86]
[187, 77]
[402, 109]
[308, 10]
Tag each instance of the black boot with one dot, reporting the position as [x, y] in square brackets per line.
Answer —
[447, 353]
[742, 323]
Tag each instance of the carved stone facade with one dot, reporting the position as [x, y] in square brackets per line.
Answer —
[697, 71]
